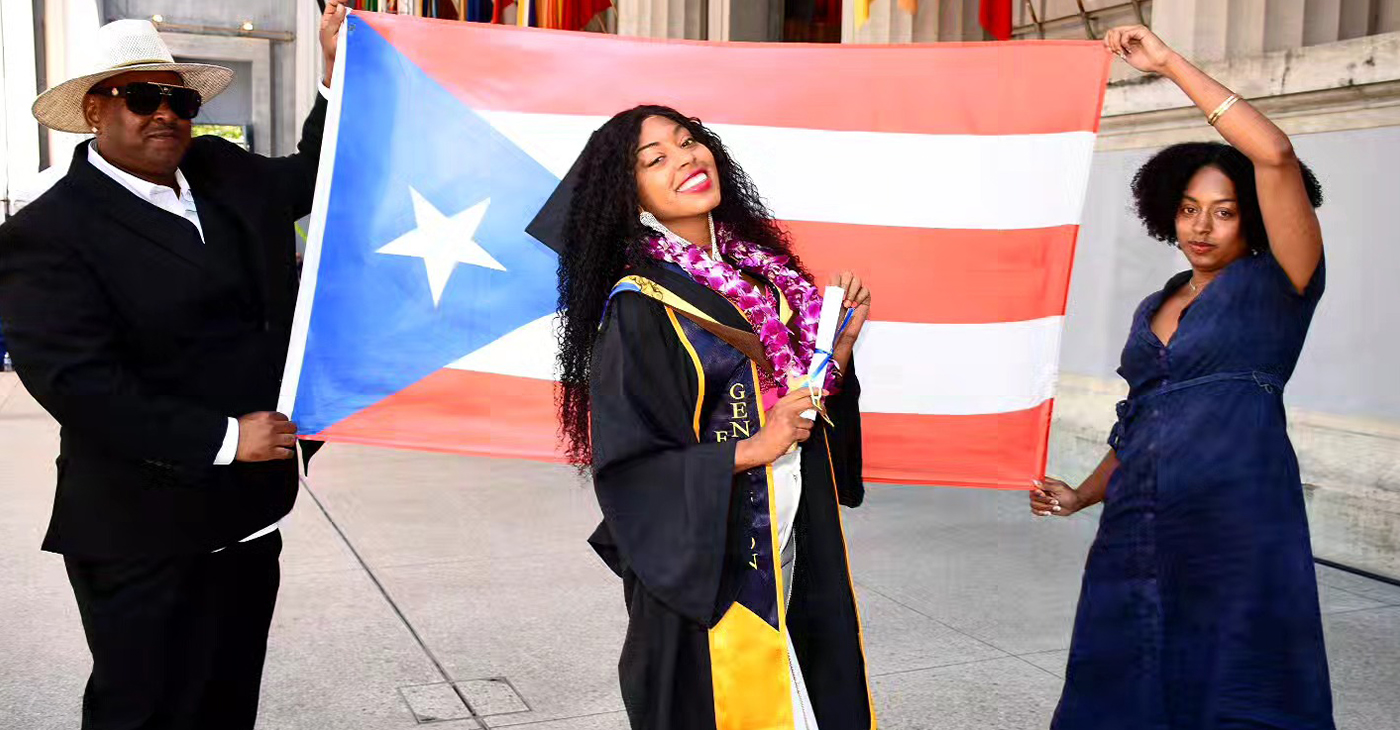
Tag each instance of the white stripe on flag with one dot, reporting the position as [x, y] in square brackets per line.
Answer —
[942, 369]
[958, 369]
[908, 180]
[320, 209]
[528, 352]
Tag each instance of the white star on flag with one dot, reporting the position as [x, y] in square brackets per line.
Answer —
[443, 242]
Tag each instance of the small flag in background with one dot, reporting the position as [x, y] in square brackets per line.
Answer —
[995, 16]
[863, 9]
[427, 314]
[553, 14]
[522, 11]
[477, 11]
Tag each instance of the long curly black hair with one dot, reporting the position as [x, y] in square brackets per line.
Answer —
[1162, 180]
[603, 237]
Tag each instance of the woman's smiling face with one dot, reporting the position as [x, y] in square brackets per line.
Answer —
[676, 175]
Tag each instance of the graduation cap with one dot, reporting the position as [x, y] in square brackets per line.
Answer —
[549, 224]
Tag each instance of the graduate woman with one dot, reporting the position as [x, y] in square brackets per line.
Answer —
[730, 548]
[1199, 604]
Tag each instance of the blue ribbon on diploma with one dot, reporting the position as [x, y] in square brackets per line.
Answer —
[821, 368]
[811, 384]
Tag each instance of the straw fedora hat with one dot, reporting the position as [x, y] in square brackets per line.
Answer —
[123, 46]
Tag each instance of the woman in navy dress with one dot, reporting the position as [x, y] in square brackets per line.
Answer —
[1199, 608]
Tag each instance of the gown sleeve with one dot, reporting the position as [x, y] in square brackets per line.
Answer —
[845, 439]
[665, 497]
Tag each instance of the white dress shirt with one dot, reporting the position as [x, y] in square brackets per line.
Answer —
[179, 203]
[787, 493]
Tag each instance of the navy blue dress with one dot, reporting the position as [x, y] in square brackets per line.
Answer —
[1199, 605]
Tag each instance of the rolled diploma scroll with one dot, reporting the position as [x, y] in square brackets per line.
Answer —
[826, 338]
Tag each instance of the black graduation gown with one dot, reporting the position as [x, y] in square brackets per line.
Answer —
[674, 386]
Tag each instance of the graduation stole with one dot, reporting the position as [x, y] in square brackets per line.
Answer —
[742, 340]
[750, 667]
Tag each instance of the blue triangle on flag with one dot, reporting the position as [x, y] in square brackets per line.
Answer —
[374, 327]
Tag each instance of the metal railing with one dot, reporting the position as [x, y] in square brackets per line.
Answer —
[1086, 17]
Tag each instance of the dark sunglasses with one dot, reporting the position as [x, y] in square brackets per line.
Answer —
[145, 97]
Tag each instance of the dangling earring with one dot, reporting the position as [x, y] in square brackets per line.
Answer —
[650, 221]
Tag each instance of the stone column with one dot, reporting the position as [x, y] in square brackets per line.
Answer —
[19, 133]
[1387, 16]
[958, 20]
[927, 23]
[1283, 25]
[662, 18]
[719, 26]
[746, 20]
[70, 29]
[307, 58]
[1245, 28]
[1356, 20]
[1322, 21]
[1197, 29]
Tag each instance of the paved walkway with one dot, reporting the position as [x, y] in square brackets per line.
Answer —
[404, 572]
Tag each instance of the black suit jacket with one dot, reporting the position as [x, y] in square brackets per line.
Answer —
[142, 341]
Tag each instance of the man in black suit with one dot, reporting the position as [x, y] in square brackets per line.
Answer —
[147, 299]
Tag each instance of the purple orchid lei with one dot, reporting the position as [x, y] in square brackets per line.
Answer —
[758, 305]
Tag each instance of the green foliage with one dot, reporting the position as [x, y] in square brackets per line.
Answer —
[234, 133]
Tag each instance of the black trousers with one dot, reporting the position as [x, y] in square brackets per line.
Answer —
[177, 643]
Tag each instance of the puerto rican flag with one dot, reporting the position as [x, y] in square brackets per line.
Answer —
[950, 176]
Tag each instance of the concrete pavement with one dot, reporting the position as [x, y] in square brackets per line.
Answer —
[413, 582]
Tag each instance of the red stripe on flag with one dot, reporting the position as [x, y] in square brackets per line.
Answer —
[946, 276]
[965, 451]
[1037, 87]
[461, 412]
[483, 414]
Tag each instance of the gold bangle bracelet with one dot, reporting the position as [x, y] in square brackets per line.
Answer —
[1220, 110]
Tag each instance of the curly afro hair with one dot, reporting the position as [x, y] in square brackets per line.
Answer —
[602, 237]
[1161, 182]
